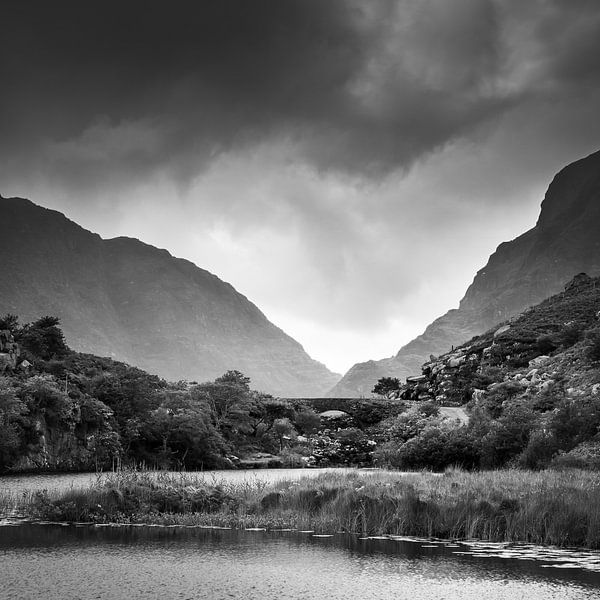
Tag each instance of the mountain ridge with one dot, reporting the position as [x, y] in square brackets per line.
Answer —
[519, 274]
[127, 299]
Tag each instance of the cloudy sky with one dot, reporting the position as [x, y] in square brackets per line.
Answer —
[346, 165]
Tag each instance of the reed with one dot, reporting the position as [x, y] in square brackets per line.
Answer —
[546, 507]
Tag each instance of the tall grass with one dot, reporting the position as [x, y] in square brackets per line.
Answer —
[547, 507]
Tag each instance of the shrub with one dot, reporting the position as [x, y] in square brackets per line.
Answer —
[570, 334]
[593, 344]
[584, 456]
[545, 344]
[540, 450]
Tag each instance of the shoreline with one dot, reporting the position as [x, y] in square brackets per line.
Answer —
[558, 508]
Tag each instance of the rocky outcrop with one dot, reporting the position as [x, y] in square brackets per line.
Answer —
[9, 351]
[519, 274]
[136, 303]
[510, 356]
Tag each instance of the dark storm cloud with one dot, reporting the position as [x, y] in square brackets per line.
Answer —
[125, 87]
[370, 153]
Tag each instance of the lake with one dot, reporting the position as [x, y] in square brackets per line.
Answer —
[61, 562]
[57, 562]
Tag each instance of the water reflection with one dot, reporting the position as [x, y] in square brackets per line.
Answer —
[53, 562]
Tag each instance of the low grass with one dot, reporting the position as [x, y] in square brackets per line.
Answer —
[548, 507]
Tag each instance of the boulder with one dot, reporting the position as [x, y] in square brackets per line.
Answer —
[416, 379]
[333, 414]
[537, 362]
[477, 395]
[7, 362]
[501, 330]
[456, 362]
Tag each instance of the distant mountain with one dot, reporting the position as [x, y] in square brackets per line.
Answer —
[136, 303]
[565, 241]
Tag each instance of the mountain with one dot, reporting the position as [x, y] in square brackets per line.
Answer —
[136, 303]
[521, 273]
[554, 345]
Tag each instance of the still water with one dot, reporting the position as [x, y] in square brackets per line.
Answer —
[57, 562]
[62, 562]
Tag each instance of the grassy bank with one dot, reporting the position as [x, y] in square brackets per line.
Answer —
[548, 507]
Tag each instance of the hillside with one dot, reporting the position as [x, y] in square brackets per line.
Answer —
[548, 346]
[136, 303]
[519, 274]
[530, 387]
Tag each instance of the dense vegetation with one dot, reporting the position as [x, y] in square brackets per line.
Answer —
[531, 386]
[62, 410]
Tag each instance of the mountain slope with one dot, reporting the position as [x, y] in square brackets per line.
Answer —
[128, 300]
[550, 345]
[537, 264]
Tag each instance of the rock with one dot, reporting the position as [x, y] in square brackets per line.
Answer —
[579, 279]
[596, 389]
[540, 360]
[438, 368]
[416, 379]
[333, 414]
[6, 362]
[501, 330]
[456, 362]
[477, 395]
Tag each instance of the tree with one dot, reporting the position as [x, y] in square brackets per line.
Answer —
[235, 378]
[228, 399]
[10, 322]
[44, 338]
[283, 428]
[307, 421]
[387, 387]
[11, 411]
[181, 434]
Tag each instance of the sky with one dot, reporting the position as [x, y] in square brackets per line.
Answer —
[346, 165]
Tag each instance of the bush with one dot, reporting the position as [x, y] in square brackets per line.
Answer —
[584, 456]
[570, 334]
[593, 344]
[540, 450]
[437, 448]
[545, 344]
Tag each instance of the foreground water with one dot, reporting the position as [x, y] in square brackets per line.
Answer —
[57, 562]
